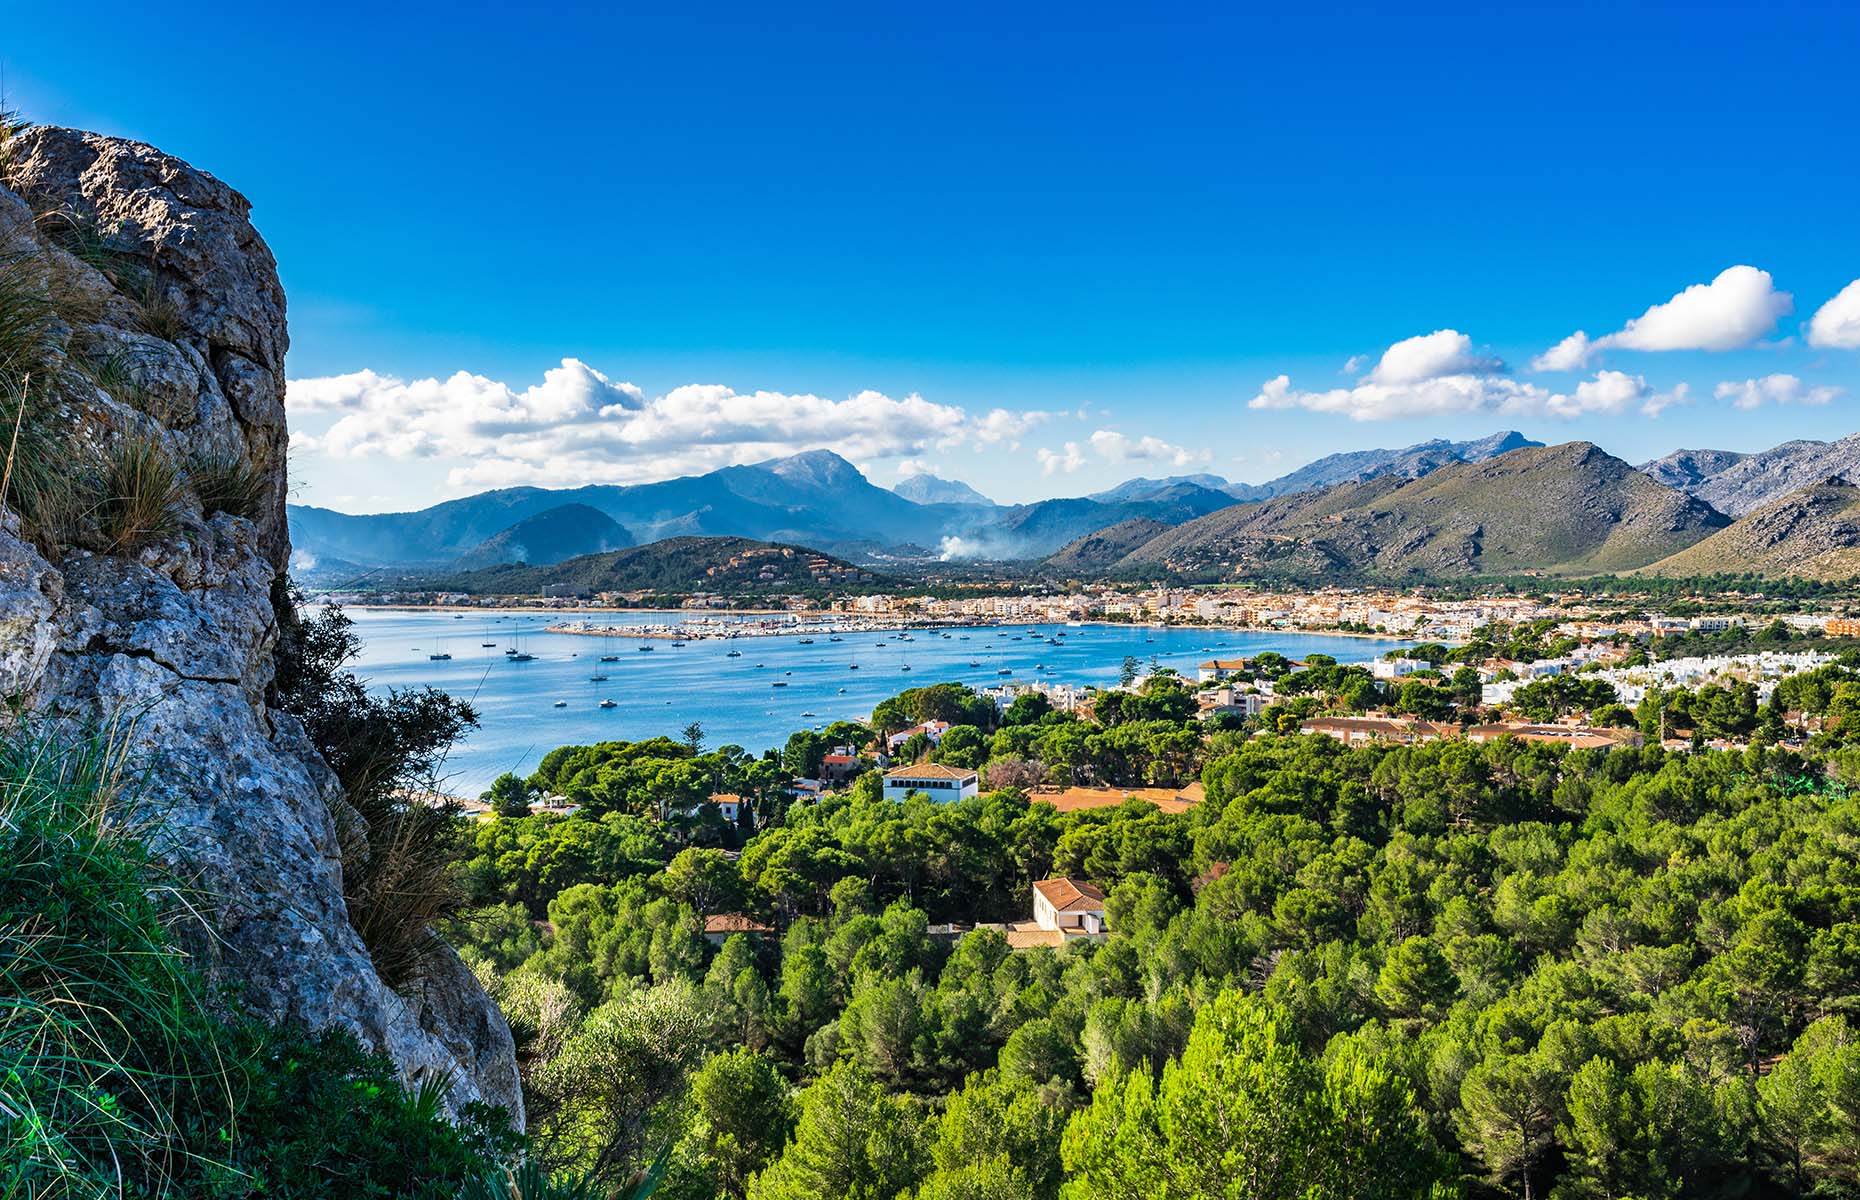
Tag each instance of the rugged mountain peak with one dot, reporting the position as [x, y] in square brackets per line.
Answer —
[1739, 483]
[170, 639]
[1811, 533]
[815, 468]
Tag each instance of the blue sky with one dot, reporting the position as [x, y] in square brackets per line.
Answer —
[1038, 247]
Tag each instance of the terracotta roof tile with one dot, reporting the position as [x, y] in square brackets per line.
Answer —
[929, 771]
[1070, 895]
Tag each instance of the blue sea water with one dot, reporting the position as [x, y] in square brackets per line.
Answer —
[662, 690]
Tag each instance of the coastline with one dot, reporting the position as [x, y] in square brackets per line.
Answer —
[822, 614]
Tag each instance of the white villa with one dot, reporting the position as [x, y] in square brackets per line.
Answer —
[945, 785]
[1068, 906]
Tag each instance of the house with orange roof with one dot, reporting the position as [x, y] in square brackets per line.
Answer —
[1069, 907]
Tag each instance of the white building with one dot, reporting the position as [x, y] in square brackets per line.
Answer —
[1068, 906]
[934, 730]
[1223, 701]
[945, 785]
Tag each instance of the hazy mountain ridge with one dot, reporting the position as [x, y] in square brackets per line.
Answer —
[1142, 488]
[554, 534]
[929, 489]
[1685, 469]
[1036, 530]
[1566, 509]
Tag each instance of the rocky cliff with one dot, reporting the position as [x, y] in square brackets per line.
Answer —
[166, 338]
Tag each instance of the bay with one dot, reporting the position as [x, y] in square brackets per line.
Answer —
[662, 690]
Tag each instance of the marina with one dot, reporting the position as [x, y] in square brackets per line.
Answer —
[754, 702]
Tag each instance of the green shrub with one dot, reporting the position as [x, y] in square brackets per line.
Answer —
[319, 1117]
[400, 840]
[105, 1041]
[121, 1076]
[35, 477]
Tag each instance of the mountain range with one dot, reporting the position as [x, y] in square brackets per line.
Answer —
[1495, 505]
[815, 498]
[1355, 466]
[1566, 509]
[1736, 483]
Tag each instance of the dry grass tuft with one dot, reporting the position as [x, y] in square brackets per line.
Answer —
[228, 483]
[142, 490]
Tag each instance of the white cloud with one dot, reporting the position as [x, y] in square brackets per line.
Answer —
[1434, 355]
[1440, 374]
[1774, 389]
[578, 426]
[1354, 364]
[1005, 425]
[1113, 446]
[1610, 393]
[1657, 404]
[908, 467]
[1053, 461]
[1570, 354]
[1731, 312]
[1836, 324]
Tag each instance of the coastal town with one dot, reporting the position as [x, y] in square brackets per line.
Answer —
[1395, 612]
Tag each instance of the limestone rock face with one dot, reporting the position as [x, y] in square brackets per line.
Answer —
[172, 648]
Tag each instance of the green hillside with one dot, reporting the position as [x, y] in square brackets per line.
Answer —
[728, 566]
[1096, 551]
[1810, 534]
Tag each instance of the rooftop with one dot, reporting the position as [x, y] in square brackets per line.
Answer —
[734, 923]
[1070, 895]
[929, 771]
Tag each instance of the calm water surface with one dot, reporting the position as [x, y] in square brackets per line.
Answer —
[660, 691]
